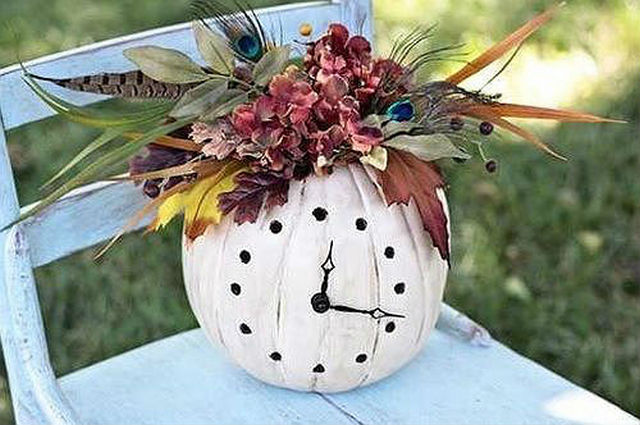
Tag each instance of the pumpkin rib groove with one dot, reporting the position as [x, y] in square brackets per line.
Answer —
[281, 266]
[218, 279]
[377, 274]
[327, 323]
[421, 267]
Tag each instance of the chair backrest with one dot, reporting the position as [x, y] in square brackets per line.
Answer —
[95, 212]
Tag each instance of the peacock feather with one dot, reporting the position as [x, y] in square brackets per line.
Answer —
[238, 23]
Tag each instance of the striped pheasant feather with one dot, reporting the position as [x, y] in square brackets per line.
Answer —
[132, 84]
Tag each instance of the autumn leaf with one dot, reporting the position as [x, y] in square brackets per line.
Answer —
[249, 194]
[408, 177]
[199, 202]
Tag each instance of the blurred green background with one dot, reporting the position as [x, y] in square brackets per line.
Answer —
[546, 254]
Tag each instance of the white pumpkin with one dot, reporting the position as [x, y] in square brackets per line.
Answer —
[251, 285]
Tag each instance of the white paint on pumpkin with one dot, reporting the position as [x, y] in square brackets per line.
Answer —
[284, 272]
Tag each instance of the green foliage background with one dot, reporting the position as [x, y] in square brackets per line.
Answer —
[546, 254]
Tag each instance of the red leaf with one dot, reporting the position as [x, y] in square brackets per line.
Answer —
[408, 177]
[249, 195]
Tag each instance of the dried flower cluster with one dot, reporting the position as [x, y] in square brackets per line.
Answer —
[230, 136]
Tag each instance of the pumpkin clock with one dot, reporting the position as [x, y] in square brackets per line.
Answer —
[331, 291]
[316, 229]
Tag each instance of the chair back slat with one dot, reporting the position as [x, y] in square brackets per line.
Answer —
[85, 217]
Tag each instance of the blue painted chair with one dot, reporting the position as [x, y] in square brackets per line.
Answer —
[181, 379]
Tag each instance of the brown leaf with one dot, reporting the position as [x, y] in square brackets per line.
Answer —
[250, 193]
[407, 177]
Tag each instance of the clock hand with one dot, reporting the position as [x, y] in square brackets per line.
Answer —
[320, 301]
[376, 313]
[327, 267]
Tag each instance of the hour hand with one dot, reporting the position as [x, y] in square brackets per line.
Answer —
[376, 313]
[320, 300]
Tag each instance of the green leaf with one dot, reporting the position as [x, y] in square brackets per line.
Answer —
[272, 63]
[103, 165]
[166, 65]
[197, 100]
[427, 147]
[394, 128]
[225, 104]
[214, 49]
[108, 136]
[96, 118]
[377, 158]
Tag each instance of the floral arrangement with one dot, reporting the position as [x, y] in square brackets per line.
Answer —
[228, 137]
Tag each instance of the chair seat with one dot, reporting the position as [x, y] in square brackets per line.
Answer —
[183, 379]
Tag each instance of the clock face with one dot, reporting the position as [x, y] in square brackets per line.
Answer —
[329, 292]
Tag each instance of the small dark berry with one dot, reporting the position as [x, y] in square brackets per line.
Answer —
[456, 123]
[361, 358]
[491, 165]
[486, 128]
[151, 188]
[361, 224]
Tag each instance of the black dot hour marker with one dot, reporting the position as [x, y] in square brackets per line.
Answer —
[361, 224]
[245, 257]
[275, 356]
[275, 227]
[245, 329]
[399, 288]
[320, 213]
[318, 368]
[389, 252]
[361, 358]
[390, 327]
[235, 289]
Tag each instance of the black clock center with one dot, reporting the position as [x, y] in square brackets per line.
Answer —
[320, 302]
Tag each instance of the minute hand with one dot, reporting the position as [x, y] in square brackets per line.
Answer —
[376, 313]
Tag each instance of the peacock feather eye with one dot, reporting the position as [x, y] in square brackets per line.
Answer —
[401, 110]
[249, 46]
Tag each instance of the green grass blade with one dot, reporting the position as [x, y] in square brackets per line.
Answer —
[93, 118]
[99, 168]
[108, 136]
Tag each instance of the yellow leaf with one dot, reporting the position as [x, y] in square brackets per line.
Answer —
[171, 207]
[200, 202]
